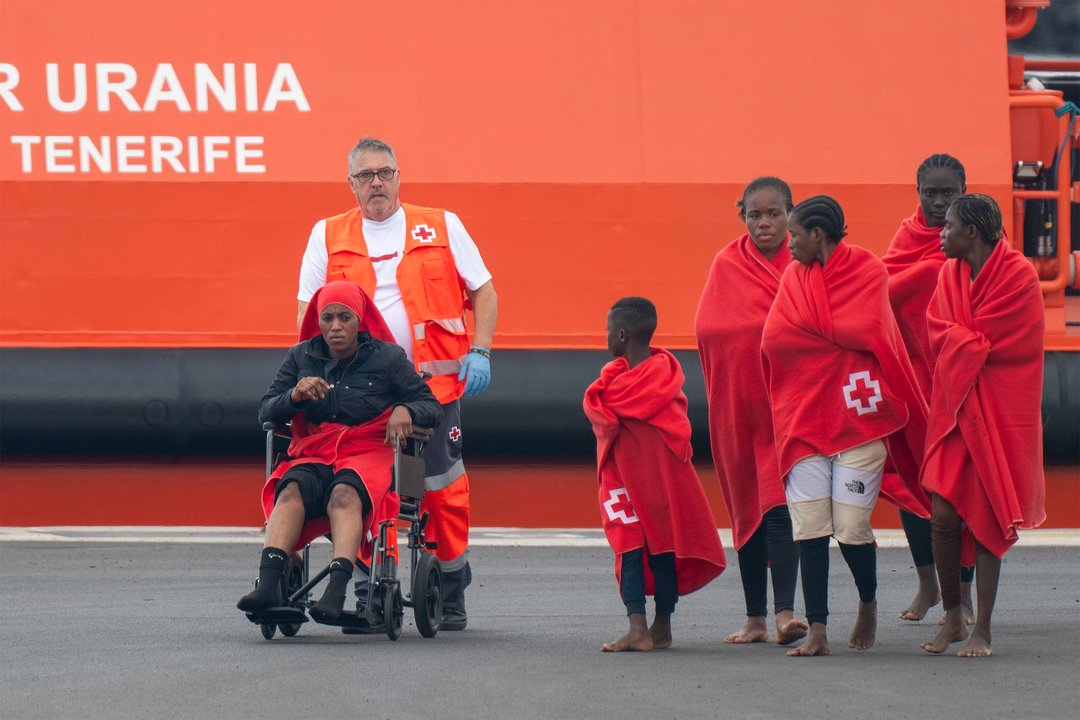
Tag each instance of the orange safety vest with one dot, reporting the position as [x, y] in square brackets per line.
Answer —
[432, 290]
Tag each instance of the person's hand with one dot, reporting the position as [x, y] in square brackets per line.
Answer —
[399, 426]
[475, 370]
[309, 388]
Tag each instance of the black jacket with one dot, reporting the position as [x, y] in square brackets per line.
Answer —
[362, 386]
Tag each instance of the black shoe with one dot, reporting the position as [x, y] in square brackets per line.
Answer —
[329, 607]
[453, 618]
[259, 599]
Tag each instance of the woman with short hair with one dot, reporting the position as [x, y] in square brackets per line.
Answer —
[740, 289]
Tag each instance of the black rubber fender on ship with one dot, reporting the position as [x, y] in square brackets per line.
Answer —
[174, 403]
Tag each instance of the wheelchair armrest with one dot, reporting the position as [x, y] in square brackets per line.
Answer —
[279, 431]
[422, 433]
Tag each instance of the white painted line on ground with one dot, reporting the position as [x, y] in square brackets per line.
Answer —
[479, 537]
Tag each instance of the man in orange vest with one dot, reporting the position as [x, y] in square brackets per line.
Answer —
[423, 271]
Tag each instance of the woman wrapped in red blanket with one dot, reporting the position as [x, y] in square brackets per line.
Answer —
[741, 287]
[984, 445]
[652, 505]
[350, 392]
[914, 260]
[844, 399]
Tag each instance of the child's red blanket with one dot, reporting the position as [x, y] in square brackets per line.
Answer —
[361, 448]
[838, 374]
[730, 317]
[650, 495]
[984, 445]
[914, 260]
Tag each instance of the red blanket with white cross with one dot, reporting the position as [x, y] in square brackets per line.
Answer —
[914, 260]
[650, 494]
[984, 445]
[729, 344]
[837, 372]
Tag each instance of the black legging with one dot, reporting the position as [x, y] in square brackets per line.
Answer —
[632, 585]
[814, 558]
[917, 531]
[772, 545]
[918, 534]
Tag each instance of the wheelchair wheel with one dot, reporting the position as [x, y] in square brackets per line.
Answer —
[427, 594]
[268, 630]
[393, 610]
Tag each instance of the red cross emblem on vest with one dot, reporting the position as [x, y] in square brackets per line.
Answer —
[856, 393]
[455, 433]
[423, 233]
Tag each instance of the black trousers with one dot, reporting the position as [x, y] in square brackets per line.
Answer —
[632, 585]
[772, 544]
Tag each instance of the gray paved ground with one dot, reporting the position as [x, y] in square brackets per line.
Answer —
[149, 631]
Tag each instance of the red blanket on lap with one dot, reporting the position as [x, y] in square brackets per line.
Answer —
[838, 374]
[914, 260]
[360, 448]
[729, 342]
[650, 494]
[984, 445]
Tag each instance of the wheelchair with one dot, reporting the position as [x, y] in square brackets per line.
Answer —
[383, 608]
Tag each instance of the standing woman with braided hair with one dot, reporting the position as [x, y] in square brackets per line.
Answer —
[844, 398]
[984, 444]
[914, 260]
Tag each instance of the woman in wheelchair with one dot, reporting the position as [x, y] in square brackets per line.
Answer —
[350, 393]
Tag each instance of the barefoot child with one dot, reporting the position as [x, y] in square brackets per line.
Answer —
[654, 510]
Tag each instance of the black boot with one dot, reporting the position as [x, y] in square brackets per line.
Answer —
[267, 592]
[330, 605]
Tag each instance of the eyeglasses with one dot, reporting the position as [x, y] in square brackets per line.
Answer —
[363, 177]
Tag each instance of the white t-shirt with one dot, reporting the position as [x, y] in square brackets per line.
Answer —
[386, 244]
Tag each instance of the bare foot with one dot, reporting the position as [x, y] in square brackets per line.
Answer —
[636, 638]
[965, 604]
[816, 643]
[952, 630]
[788, 629]
[864, 634]
[925, 598]
[968, 612]
[754, 631]
[978, 645]
[660, 632]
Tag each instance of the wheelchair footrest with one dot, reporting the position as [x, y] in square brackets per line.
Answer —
[350, 619]
[278, 616]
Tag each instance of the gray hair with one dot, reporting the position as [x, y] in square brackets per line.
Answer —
[370, 144]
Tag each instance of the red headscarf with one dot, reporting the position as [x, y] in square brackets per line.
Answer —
[351, 296]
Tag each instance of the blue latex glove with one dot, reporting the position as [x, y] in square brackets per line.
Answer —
[475, 371]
